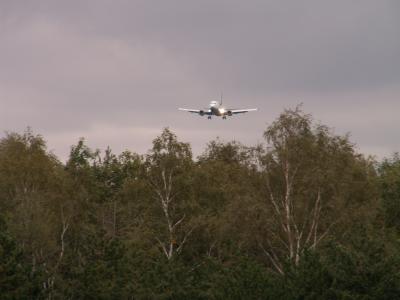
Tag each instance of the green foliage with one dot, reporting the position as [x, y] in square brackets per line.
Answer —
[16, 279]
[245, 279]
[389, 171]
[101, 272]
[363, 269]
[166, 226]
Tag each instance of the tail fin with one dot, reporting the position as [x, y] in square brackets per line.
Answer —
[220, 103]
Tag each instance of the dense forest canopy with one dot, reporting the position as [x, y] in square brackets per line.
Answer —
[302, 216]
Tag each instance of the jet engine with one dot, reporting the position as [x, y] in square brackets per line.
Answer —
[201, 113]
[229, 113]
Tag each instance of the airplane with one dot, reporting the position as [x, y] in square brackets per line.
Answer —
[216, 109]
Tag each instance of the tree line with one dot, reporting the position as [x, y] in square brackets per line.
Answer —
[301, 216]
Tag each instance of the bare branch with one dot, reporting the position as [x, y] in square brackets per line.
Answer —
[273, 259]
[178, 250]
[163, 247]
[316, 210]
[179, 221]
[278, 238]
[324, 234]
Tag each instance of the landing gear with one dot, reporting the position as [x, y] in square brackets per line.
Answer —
[209, 117]
[224, 117]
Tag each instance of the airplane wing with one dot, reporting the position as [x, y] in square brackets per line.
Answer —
[241, 111]
[196, 111]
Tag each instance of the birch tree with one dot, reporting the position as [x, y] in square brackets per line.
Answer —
[31, 196]
[310, 179]
[168, 173]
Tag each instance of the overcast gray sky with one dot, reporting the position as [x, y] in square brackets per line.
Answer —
[115, 72]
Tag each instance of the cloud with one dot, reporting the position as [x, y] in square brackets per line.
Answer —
[115, 71]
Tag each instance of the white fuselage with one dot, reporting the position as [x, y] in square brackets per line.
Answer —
[216, 108]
